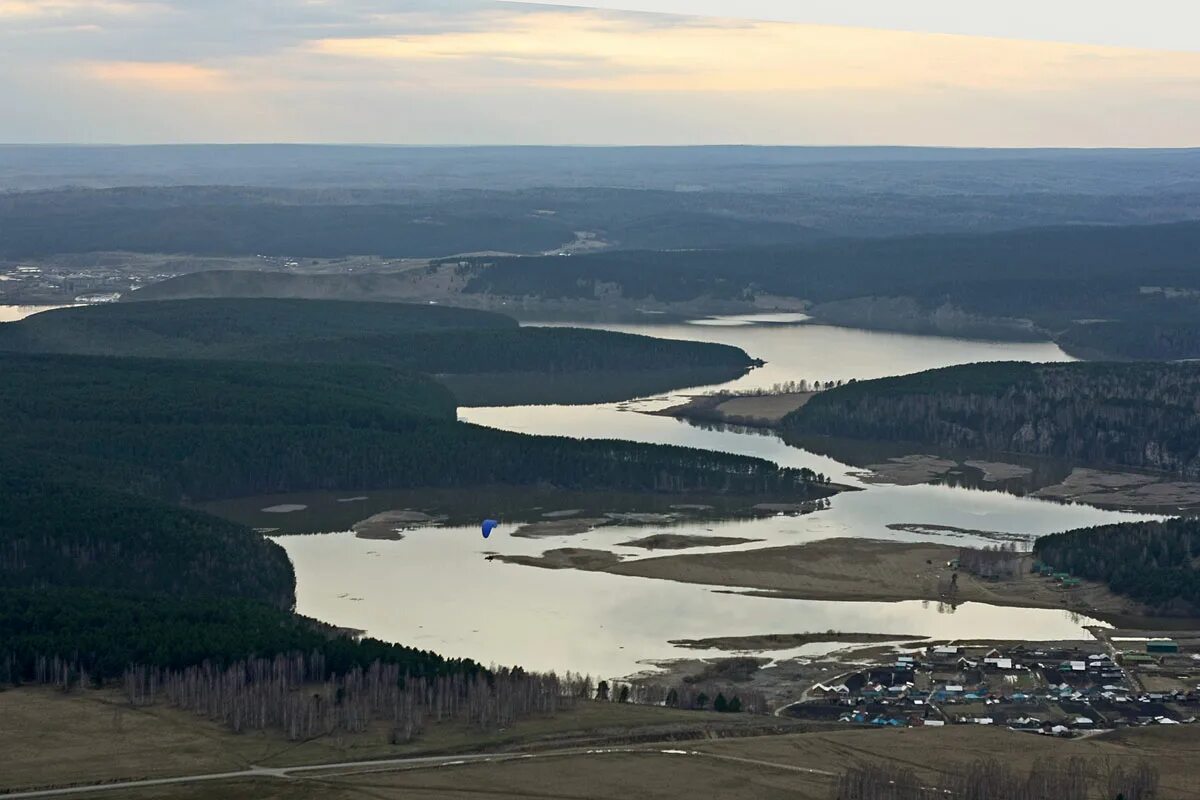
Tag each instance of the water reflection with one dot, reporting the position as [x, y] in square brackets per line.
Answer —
[435, 590]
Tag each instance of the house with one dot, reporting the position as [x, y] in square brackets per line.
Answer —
[945, 653]
[934, 723]
[1162, 646]
[999, 663]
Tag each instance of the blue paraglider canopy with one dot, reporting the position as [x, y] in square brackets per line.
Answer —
[488, 524]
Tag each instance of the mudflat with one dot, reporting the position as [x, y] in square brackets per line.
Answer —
[764, 410]
[868, 570]
[788, 641]
[679, 541]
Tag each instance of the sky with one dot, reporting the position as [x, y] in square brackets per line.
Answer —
[483, 72]
[1153, 24]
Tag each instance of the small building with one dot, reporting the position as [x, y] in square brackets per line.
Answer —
[1162, 646]
[945, 653]
[1133, 657]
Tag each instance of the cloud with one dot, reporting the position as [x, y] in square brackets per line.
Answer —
[441, 71]
[720, 56]
[162, 76]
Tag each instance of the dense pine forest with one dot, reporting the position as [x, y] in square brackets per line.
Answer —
[102, 633]
[197, 430]
[1138, 415]
[1151, 562]
[58, 535]
[543, 364]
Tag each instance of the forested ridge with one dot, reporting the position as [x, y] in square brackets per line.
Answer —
[426, 339]
[224, 328]
[245, 228]
[990, 271]
[1141, 415]
[193, 430]
[1021, 283]
[1151, 562]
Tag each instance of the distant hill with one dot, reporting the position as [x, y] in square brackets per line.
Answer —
[1140, 415]
[1035, 283]
[226, 283]
[923, 170]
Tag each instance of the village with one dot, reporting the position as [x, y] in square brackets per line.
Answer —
[1057, 689]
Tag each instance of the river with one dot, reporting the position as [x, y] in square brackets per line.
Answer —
[435, 590]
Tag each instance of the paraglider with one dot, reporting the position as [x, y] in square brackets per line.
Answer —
[488, 524]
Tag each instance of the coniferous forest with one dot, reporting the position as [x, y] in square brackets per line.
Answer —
[1141, 415]
[1151, 562]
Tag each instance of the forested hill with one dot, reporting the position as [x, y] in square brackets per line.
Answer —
[1151, 562]
[1138, 415]
[72, 536]
[962, 267]
[140, 391]
[85, 222]
[227, 327]
[422, 338]
[200, 430]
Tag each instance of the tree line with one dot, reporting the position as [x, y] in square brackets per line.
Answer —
[74, 636]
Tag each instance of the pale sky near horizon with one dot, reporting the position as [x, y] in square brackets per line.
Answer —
[483, 72]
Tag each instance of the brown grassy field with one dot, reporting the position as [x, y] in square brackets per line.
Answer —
[767, 767]
[50, 738]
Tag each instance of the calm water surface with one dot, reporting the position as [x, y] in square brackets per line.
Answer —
[434, 589]
[14, 313]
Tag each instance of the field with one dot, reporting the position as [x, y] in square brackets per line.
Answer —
[51, 738]
[81, 739]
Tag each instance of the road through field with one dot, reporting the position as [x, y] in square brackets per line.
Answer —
[345, 769]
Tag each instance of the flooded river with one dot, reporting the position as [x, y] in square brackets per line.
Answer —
[434, 589]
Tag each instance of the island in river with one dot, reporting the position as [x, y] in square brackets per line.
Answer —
[847, 570]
